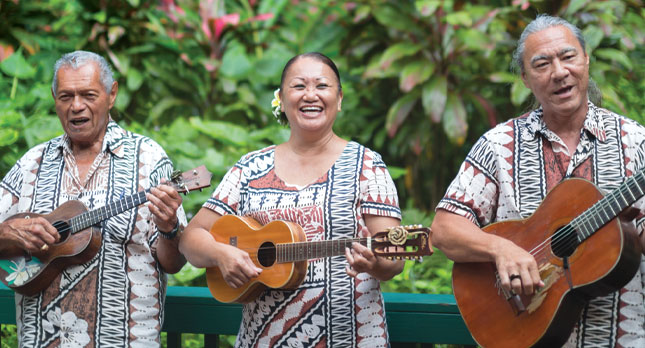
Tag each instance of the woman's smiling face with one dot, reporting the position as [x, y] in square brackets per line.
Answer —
[311, 95]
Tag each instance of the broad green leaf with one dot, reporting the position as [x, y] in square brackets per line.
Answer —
[8, 136]
[165, 104]
[391, 17]
[427, 7]
[415, 73]
[461, 18]
[10, 118]
[135, 79]
[454, 119]
[519, 92]
[614, 55]
[225, 132]
[399, 112]
[134, 3]
[576, 5]
[235, 63]
[434, 97]
[398, 51]
[374, 69]
[187, 274]
[17, 66]
[473, 39]
[40, 128]
[593, 35]
[502, 77]
[100, 16]
[122, 99]
[396, 172]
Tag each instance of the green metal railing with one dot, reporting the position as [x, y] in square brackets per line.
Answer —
[414, 320]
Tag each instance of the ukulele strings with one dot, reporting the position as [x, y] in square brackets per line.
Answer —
[256, 251]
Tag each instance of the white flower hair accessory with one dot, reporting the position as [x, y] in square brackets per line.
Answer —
[276, 104]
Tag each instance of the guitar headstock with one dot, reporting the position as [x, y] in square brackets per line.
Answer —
[194, 179]
[410, 242]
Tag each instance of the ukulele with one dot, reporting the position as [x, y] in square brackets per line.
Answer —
[80, 238]
[281, 249]
[581, 252]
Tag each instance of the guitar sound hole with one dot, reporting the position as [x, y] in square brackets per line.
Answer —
[63, 229]
[267, 254]
[564, 242]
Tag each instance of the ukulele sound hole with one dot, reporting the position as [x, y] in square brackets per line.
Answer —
[564, 242]
[63, 229]
[267, 254]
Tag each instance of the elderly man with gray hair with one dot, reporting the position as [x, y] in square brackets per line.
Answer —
[114, 296]
[535, 263]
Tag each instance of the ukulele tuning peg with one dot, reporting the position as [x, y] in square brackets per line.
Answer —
[194, 171]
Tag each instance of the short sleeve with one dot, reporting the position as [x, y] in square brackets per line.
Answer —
[473, 193]
[378, 194]
[633, 139]
[226, 198]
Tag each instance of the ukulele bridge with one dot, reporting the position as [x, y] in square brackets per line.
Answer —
[233, 241]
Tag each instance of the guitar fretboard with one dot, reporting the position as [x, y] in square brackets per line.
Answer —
[93, 217]
[301, 251]
[609, 206]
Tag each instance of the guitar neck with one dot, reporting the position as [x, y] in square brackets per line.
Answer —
[93, 217]
[609, 206]
[301, 251]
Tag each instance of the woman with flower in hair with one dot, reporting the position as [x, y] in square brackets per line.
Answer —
[334, 189]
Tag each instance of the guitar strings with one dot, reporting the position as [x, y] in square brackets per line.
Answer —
[557, 238]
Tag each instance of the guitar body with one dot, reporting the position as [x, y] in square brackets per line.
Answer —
[601, 264]
[247, 234]
[32, 274]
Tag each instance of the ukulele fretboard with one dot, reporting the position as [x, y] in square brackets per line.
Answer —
[93, 217]
[300, 251]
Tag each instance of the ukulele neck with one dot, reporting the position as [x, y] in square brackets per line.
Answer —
[301, 251]
[93, 217]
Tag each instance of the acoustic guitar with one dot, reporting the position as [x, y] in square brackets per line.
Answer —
[581, 252]
[29, 274]
[281, 250]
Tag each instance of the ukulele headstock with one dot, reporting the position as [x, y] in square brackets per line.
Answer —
[410, 242]
[191, 180]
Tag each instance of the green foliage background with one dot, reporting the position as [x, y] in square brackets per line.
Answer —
[422, 79]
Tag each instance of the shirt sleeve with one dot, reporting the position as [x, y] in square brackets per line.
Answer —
[10, 187]
[474, 191]
[227, 197]
[634, 146]
[378, 194]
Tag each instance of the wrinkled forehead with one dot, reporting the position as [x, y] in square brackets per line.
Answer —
[551, 41]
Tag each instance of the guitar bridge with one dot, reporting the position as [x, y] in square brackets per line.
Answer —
[514, 300]
[233, 241]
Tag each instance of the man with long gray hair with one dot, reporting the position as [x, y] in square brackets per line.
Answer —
[507, 175]
[114, 296]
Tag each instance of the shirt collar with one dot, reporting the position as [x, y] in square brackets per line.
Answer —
[593, 124]
[111, 142]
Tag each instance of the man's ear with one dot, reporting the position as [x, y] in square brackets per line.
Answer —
[524, 80]
[113, 92]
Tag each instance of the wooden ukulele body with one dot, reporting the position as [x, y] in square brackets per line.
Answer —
[603, 263]
[72, 249]
[247, 234]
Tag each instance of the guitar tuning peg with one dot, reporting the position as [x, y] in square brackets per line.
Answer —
[194, 171]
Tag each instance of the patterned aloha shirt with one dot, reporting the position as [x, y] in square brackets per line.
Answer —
[330, 309]
[512, 167]
[115, 299]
